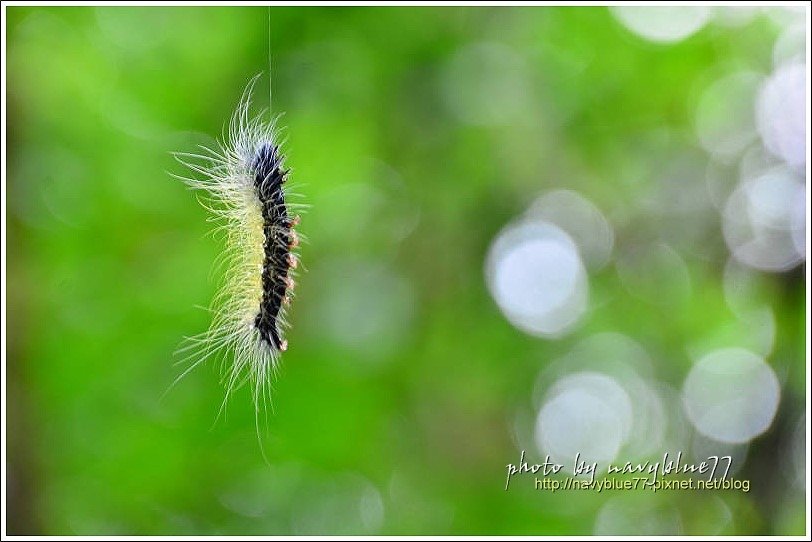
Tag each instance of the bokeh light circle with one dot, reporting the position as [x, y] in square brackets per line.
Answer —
[781, 113]
[585, 413]
[581, 219]
[535, 275]
[663, 24]
[485, 84]
[760, 220]
[725, 120]
[731, 395]
[790, 47]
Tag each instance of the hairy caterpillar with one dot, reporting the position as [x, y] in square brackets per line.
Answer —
[244, 183]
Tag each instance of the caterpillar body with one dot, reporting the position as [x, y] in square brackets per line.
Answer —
[245, 186]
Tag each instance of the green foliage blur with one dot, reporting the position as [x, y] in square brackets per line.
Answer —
[396, 407]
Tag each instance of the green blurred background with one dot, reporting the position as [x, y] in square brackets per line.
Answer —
[417, 135]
